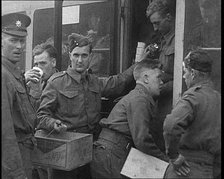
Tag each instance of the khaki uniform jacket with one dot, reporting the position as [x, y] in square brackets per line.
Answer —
[76, 99]
[195, 122]
[135, 117]
[166, 58]
[18, 117]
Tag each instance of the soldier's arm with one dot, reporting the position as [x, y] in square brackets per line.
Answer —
[116, 84]
[139, 119]
[177, 122]
[35, 92]
[12, 165]
[47, 108]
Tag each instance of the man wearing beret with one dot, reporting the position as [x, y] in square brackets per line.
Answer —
[72, 99]
[18, 114]
[192, 131]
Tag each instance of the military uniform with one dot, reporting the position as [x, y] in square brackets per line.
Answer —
[131, 123]
[18, 114]
[194, 130]
[75, 99]
[35, 91]
[166, 58]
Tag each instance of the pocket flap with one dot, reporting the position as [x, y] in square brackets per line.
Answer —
[94, 89]
[20, 89]
[169, 51]
[69, 94]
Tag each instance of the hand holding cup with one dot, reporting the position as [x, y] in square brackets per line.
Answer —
[34, 75]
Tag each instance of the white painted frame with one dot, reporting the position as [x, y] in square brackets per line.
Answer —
[179, 50]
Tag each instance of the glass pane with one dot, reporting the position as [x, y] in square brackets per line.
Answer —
[43, 26]
[203, 30]
[95, 22]
[88, 18]
[203, 24]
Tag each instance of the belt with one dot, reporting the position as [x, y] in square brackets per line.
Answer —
[117, 138]
[198, 156]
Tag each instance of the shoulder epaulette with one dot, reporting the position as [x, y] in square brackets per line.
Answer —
[57, 75]
[191, 90]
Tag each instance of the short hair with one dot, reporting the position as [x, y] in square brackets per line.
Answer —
[162, 6]
[45, 47]
[198, 60]
[146, 63]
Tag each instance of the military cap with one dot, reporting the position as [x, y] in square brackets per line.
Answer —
[78, 40]
[199, 60]
[15, 24]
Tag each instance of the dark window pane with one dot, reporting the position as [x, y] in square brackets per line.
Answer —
[93, 19]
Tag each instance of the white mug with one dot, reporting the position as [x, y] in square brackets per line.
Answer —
[40, 71]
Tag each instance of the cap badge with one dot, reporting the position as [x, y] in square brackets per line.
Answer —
[18, 23]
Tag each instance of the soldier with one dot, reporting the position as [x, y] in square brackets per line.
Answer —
[192, 131]
[18, 115]
[131, 123]
[45, 56]
[162, 16]
[72, 99]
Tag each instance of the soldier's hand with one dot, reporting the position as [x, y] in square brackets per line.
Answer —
[144, 55]
[180, 165]
[151, 51]
[32, 75]
[59, 126]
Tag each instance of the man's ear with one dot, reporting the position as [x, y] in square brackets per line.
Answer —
[146, 78]
[168, 16]
[54, 62]
[193, 73]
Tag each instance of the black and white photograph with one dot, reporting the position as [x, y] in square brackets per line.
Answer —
[111, 89]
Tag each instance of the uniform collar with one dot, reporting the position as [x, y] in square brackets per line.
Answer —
[207, 82]
[77, 76]
[141, 87]
[55, 70]
[169, 36]
[12, 68]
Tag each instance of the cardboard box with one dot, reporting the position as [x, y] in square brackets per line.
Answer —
[141, 165]
[64, 151]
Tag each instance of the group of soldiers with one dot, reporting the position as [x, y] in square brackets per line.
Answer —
[71, 101]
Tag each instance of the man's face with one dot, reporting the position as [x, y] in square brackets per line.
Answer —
[160, 23]
[187, 76]
[46, 63]
[154, 81]
[80, 58]
[12, 47]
